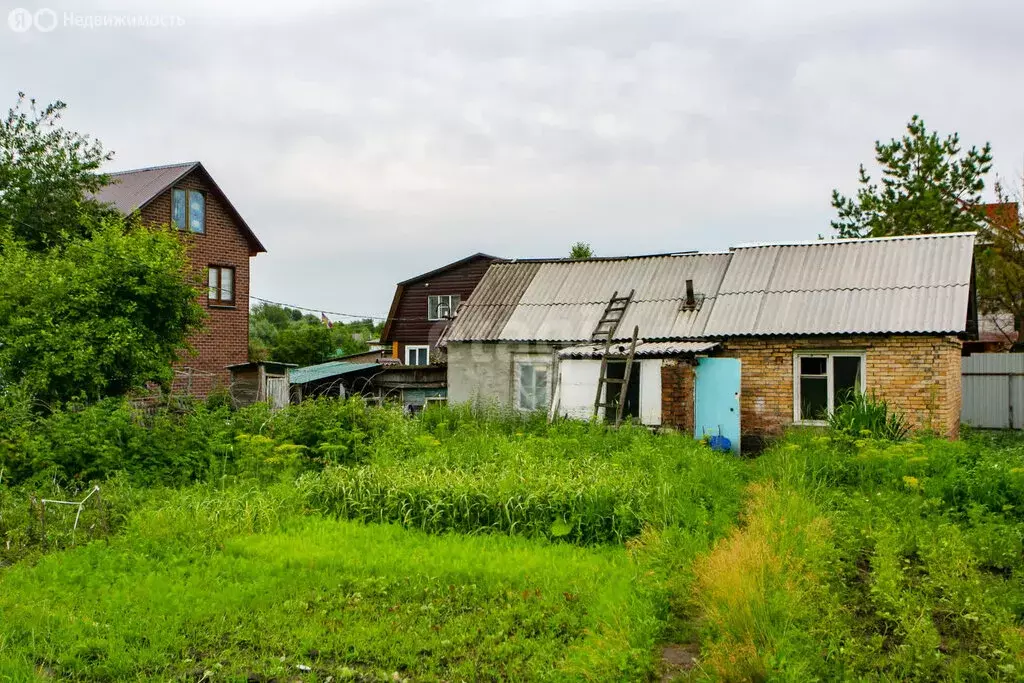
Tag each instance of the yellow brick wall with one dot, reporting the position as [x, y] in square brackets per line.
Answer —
[917, 375]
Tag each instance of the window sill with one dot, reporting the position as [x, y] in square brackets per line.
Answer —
[226, 307]
[811, 423]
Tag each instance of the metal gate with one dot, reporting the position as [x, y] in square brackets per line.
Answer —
[993, 390]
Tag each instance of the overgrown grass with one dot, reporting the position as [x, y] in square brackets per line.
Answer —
[580, 483]
[225, 577]
[560, 551]
[236, 584]
[872, 560]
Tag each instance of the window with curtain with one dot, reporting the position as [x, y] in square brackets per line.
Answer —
[532, 386]
[221, 283]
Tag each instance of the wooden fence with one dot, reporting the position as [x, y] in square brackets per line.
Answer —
[993, 390]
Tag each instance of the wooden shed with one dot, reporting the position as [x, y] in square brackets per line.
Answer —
[260, 381]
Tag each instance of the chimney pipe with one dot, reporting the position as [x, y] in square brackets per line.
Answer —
[691, 301]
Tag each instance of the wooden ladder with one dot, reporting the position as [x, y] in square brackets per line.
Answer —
[611, 317]
[604, 380]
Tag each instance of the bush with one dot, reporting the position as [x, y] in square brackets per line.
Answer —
[867, 416]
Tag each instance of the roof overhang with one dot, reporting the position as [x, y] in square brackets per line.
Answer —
[659, 349]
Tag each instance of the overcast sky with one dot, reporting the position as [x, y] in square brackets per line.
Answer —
[367, 141]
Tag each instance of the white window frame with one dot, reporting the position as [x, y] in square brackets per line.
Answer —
[830, 378]
[416, 348]
[451, 308]
[517, 367]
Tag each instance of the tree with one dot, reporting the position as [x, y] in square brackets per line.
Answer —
[47, 176]
[581, 250]
[928, 185]
[303, 344]
[288, 335]
[98, 317]
[1000, 260]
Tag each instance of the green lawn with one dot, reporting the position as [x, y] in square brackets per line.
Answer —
[339, 597]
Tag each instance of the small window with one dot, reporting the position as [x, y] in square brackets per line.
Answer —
[178, 209]
[188, 208]
[823, 381]
[442, 306]
[532, 386]
[417, 355]
[221, 286]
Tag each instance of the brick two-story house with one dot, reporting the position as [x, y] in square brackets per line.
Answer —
[220, 244]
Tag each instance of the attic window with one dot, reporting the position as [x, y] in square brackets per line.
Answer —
[442, 306]
[188, 210]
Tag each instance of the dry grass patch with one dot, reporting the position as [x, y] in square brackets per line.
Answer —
[757, 589]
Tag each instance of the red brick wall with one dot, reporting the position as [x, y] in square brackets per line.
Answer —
[677, 395]
[225, 338]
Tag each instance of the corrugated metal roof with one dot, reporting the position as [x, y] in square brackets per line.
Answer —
[882, 285]
[312, 373]
[643, 349]
[564, 300]
[919, 261]
[129, 190]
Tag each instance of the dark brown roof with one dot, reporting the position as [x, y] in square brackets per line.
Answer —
[450, 266]
[130, 191]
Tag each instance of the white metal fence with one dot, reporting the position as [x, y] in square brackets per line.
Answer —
[993, 390]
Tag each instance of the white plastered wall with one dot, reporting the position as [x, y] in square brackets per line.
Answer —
[578, 388]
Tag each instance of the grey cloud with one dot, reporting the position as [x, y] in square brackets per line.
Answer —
[370, 140]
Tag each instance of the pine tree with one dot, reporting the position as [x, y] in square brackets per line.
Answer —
[928, 185]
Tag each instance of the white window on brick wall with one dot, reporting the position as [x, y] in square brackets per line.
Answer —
[532, 385]
[824, 379]
[188, 210]
[221, 283]
[417, 355]
[442, 306]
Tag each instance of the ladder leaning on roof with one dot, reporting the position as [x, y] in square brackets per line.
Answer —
[605, 331]
[603, 380]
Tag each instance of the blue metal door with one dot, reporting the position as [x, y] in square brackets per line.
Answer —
[717, 399]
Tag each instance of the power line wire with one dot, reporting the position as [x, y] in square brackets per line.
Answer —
[320, 310]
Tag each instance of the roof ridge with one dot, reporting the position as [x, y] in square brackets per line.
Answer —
[161, 167]
[842, 289]
[667, 254]
[596, 302]
[852, 240]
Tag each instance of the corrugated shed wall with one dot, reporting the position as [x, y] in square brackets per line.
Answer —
[993, 390]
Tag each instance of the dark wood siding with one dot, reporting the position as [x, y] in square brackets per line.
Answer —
[410, 325]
